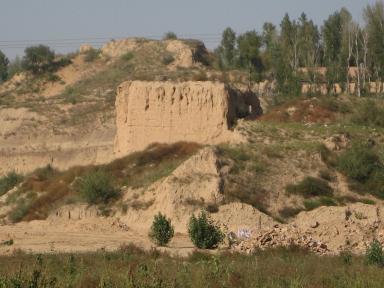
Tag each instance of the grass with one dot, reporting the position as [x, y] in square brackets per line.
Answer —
[132, 267]
[310, 187]
[311, 204]
[54, 188]
[243, 182]
[364, 168]
[368, 113]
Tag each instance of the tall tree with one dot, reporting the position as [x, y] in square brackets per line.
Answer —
[374, 18]
[335, 57]
[290, 40]
[309, 46]
[3, 67]
[227, 48]
[249, 45]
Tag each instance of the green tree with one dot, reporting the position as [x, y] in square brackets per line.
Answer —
[335, 56]
[374, 18]
[162, 230]
[289, 39]
[38, 59]
[3, 67]
[227, 49]
[309, 46]
[269, 42]
[249, 45]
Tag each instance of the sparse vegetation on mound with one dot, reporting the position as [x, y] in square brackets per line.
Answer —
[51, 188]
[310, 187]
[243, 181]
[132, 267]
[364, 168]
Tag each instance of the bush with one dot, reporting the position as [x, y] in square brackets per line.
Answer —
[127, 56]
[91, 55]
[203, 233]
[168, 59]
[369, 114]
[364, 169]
[310, 187]
[96, 187]
[45, 173]
[38, 59]
[170, 36]
[20, 211]
[358, 163]
[161, 230]
[9, 181]
[374, 254]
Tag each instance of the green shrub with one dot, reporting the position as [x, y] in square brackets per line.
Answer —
[358, 163]
[9, 181]
[127, 56]
[170, 36]
[168, 59]
[310, 187]
[45, 173]
[96, 187]
[369, 114]
[203, 233]
[374, 254]
[20, 211]
[161, 230]
[91, 55]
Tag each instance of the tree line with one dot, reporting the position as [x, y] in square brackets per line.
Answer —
[299, 51]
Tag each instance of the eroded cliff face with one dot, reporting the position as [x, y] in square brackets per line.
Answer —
[168, 112]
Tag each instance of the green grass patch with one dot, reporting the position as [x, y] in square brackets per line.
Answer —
[133, 267]
[9, 181]
[310, 187]
[311, 204]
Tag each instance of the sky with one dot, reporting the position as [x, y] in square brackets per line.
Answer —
[65, 24]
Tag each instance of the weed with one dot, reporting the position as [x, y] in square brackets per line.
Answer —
[374, 254]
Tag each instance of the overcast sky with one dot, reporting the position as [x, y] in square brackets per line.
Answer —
[63, 24]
